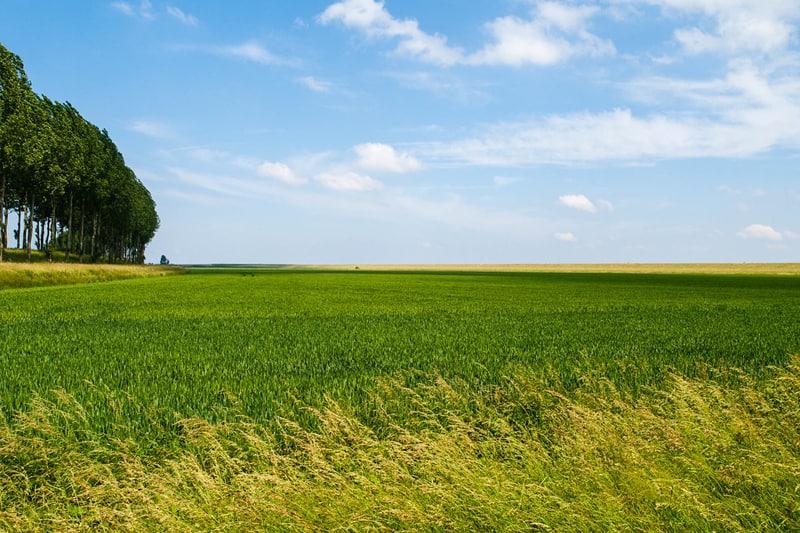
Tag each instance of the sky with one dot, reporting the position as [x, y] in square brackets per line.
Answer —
[440, 131]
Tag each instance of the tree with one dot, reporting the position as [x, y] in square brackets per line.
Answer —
[55, 165]
[14, 88]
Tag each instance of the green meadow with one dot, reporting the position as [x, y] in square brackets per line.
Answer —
[255, 399]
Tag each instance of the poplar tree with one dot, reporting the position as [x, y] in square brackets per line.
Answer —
[63, 173]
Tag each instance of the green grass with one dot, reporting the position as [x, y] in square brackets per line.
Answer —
[243, 400]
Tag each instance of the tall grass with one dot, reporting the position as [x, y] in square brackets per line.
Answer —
[21, 275]
[442, 455]
[313, 401]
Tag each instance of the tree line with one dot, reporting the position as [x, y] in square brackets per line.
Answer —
[65, 179]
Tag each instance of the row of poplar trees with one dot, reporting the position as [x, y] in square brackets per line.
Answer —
[65, 179]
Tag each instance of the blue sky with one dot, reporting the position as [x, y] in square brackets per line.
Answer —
[441, 131]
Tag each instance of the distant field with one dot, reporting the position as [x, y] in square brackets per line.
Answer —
[316, 399]
[663, 268]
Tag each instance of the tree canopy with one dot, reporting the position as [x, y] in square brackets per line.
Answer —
[66, 179]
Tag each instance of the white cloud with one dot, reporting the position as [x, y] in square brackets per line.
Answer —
[157, 130]
[760, 231]
[556, 33]
[124, 8]
[566, 237]
[372, 18]
[250, 51]
[749, 111]
[316, 85]
[577, 201]
[347, 181]
[791, 235]
[280, 172]
[739, 26]
[379, 157]
[189, 20]
[744, 114]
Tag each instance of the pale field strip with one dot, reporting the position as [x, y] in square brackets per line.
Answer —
[643, 268]
[139, 270]
[638, 268]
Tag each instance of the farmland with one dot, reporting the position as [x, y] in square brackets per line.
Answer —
[255, 363]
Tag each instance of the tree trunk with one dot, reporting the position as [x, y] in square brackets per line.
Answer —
[39, 233]
[4, 212]
[31, 207]
[83, 220]
[22, 223]
[53, 227]
[94, 234]
[5, 227]
[20, 240]
[69, 229]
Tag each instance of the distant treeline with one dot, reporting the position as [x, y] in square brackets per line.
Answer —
[66, 179]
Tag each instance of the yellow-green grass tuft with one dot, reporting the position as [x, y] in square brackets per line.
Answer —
[694, 455]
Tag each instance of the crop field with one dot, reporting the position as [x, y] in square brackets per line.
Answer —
[357, 385]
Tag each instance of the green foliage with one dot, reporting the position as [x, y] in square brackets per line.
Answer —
[58, 170]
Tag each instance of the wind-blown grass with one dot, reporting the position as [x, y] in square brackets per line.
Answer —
[695, 455]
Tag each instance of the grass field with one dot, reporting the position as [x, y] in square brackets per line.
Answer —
[311, 400]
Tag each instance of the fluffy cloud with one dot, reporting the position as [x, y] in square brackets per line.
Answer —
[760, 231]
[379, 157]
[280, 172]
[373, 19]
[347, 181]
[566, 237]
[555, 33]
[577, 201]
[738, 26]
